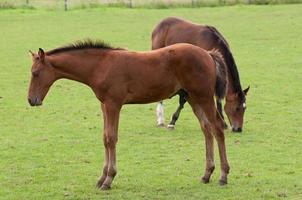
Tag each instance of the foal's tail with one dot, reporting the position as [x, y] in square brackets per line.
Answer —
[221, 74]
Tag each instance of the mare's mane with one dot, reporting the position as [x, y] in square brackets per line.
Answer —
[81, 45]
[229, 59]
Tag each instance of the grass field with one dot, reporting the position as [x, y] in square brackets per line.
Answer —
[56, 151]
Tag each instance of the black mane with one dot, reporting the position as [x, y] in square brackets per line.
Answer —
[229, 59]
[79, 45]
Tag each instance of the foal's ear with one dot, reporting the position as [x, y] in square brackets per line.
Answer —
[41, 54]
[246, 90]
[31, 53]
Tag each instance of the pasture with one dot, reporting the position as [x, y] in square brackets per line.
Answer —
[56, 151]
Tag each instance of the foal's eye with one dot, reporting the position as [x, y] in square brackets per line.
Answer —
[35, 74]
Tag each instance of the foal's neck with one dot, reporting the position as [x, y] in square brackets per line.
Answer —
[76, 65]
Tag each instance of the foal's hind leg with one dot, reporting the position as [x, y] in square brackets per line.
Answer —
[206, 128]
[219, 135]
[217, 124]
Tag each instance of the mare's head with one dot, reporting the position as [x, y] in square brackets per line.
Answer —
[42, 77]
[235, 107]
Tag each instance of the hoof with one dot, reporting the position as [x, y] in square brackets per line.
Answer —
[223, 182]
[99, 184]
[171, 127]
[225, 126]
[105, 187]
[161, 125]
[205, 180]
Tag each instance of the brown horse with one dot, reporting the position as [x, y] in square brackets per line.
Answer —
[174, 30]
[119, 77]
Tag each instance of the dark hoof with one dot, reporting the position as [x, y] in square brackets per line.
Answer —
[223, 182]
[160, 125]
[105, 187]
[225, 126]
[99, 184]
[171, 127]
[205, 180]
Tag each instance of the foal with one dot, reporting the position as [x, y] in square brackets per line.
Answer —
[119, 77]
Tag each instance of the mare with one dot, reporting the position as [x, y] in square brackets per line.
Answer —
[174, 30]
[118, 77]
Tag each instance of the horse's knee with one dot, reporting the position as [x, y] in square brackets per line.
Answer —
[226, 168]
[109, 141]
[219, 124]
[207, 126]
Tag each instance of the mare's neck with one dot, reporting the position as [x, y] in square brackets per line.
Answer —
[231, 91]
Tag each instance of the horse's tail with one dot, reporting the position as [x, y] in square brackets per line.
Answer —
[221, 74]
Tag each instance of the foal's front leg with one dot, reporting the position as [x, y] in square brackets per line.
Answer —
[106, 156]
[112, 112]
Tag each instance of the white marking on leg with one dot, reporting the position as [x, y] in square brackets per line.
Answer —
[171, 126]
[160, 114]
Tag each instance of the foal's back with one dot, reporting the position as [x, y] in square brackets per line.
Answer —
[156, 75]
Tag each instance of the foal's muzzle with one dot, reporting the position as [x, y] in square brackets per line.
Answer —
[34, 101]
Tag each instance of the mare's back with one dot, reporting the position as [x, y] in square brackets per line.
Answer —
[174, 30]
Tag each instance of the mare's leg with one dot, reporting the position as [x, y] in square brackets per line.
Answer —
[182, 101]
[106, 159]
[112, 112]
[160, 114]
[217, 123]
[209, 141]
[219, 108]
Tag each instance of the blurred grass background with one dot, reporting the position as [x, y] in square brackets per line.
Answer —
[71, 4]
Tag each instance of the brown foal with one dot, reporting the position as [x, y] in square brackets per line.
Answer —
[174, 30]
[119, 77]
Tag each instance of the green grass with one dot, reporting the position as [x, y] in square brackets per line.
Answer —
[56, 152]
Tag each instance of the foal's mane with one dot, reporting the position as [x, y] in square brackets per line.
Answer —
[83, 44]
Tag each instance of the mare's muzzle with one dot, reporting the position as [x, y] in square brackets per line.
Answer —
[34, 101]
[239, 130]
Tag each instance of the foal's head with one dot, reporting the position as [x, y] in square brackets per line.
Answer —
[235, 107]
[43, 76]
